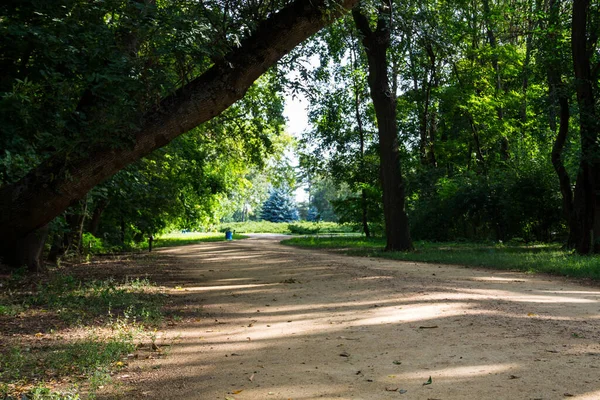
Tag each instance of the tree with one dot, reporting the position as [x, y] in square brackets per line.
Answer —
[584, 40]
[279, 207]
[376, 43]
[216, 82]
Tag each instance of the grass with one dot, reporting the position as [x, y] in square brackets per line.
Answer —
[108, 319]
[180, 239]
[75, 301]
[296, 227]
[539, 258]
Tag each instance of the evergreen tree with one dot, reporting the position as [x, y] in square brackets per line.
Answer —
[279, 207]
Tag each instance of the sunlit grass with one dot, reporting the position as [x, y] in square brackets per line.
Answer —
[540, 258]
[109, 317]
[180, 239]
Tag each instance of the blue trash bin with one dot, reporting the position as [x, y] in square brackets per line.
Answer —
[228, 235]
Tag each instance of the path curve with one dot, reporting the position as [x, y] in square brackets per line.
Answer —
[267, 321]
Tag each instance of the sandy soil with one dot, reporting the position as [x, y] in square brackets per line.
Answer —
[268, 321]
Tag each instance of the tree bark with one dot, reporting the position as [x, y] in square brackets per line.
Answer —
[361, 138]
[558, 94]
[587, 189]
[97, 215]
[376, 44]
[27, 252]
[66, 177]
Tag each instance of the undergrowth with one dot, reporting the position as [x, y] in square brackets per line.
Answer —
[111, 319]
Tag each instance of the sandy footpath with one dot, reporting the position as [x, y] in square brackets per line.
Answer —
[268, 321]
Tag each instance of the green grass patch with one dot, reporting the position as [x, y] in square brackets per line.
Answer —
[76, 301]
[91, 360]
[82, 357]
[180, 239]
[111, 315]
[286, 228]
[539, 258]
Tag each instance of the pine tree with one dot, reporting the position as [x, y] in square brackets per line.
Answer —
[279, 207]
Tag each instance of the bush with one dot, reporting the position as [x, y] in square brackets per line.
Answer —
[91, 244]
[299, 228]
[311, 228]
[506, 204]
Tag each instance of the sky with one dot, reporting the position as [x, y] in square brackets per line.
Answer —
[297, 122]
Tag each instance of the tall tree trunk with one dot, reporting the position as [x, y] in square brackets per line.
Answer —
[66, 177]
[361, 137]
[558, 94]
[363, 196]
[587, 188]
[376, 44]
[97, 215]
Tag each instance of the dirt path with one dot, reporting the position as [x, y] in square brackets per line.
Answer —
[273, 322]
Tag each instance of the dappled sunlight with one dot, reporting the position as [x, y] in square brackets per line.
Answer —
[587, 396]
[458, 373]
[275, 325]
[228, 257]
[497, 279]
[580, 292]
[371, 278]
[498, 294]
[226, 287]
[413, 313]
[525, 298]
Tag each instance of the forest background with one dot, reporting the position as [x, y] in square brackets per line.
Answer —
[429, 120]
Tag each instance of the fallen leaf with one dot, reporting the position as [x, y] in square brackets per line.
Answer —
[568, 395]
[397, 362]
[531, 314]
[402, 391]
[428, 327]
[344, 354]
[251, 379]
[429, 381]
[237, 391]
[388, 389]
[513, 377]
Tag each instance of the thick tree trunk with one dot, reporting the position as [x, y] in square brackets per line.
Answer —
[67, 176]
[27, 252]
[94, 224]
[558, 94]
[376, 44]
[587, 188]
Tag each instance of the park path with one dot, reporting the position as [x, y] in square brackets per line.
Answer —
[267, 321]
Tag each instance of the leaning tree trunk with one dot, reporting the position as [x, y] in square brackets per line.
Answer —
[66, 177]
[587, 188]
[376, 44]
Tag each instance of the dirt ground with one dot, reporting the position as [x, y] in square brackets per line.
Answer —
[268, 321]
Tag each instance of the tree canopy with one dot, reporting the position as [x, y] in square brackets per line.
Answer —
[433, 119]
